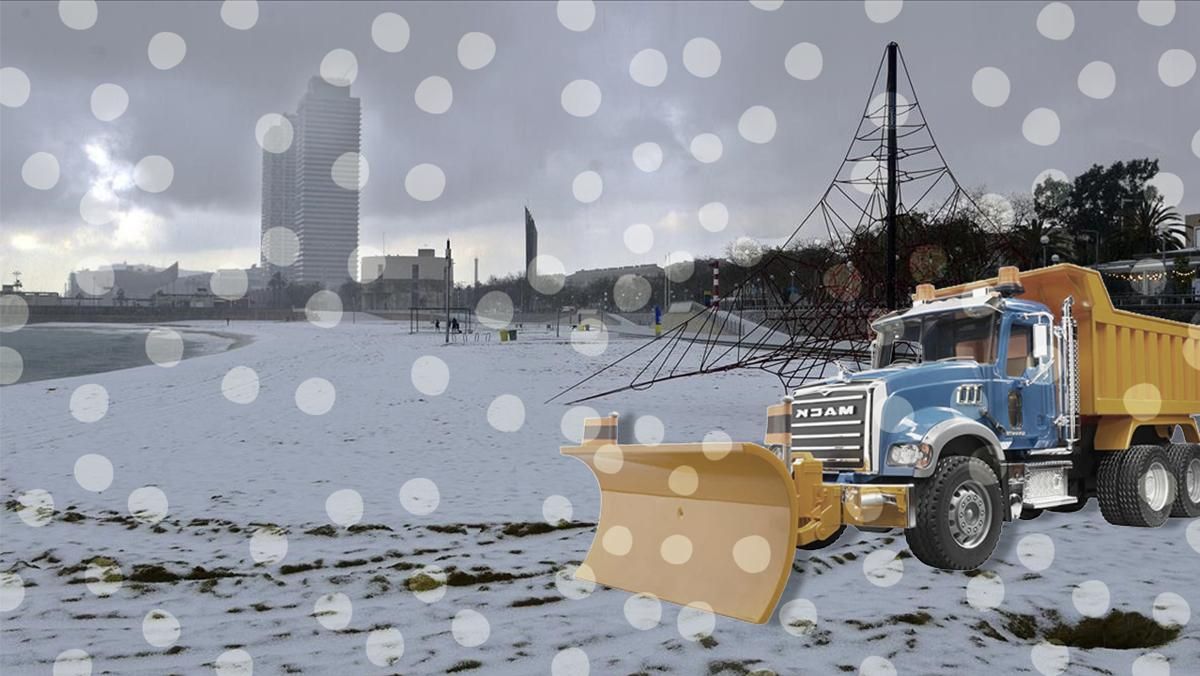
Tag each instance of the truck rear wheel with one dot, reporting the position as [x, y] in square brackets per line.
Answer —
[958, 516]
[822, 544]
[1184, 463]
[1145, 487]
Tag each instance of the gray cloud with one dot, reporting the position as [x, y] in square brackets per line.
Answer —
[506, 141]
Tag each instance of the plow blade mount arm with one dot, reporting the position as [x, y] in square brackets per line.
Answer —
[710, 525]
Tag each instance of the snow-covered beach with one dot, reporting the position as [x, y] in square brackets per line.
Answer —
[309, 475]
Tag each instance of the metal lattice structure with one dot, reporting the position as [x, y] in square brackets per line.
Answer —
[887, 218]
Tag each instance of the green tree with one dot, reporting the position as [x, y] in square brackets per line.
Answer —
[1102, 197]
[277, 284]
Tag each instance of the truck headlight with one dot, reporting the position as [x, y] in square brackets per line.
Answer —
[910, 455]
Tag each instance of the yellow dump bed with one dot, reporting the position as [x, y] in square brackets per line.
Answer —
[1132, 367]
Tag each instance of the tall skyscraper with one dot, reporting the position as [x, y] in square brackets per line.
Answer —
[278, 195]
[313, 186]
[530, 255]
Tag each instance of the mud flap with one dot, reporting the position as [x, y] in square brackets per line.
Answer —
[711, 525]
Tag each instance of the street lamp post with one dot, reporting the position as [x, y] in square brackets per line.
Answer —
[1045, 242]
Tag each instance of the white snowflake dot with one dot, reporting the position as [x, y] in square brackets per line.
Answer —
[344, 507]
[339, 67]
[74, 662]
[153, 173]
[160, 628]
[390, 32]
[1091, 598]
[990, 86]
[385, 647]
[702, 57]
[268, 545]
[434, 95]
[639, 238]
[93, 472]
[89, 403]
[166, 50]
[587, 187]
[576, 15]
[147, 504]
[1097, 80]
[14, 87]
[109, 101]
[333, 611]
[1041, 127]
[470, 628]
[570, 661]
[1156, 12]
[315, 396]
[78, 15]
[425, 182]
[1056, 21]
[883, 11]
[706, 148]
[581, 98]
[476, 50]
[648, 68]
[240, 14]
[1176, 67]
[757, 124]
[40, 171]
[649, 156]
[506, 413]
[804, 61]
[420, 496]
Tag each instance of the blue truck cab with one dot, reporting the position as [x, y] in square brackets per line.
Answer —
[967, 404]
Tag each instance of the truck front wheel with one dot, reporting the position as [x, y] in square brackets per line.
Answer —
[958, 515]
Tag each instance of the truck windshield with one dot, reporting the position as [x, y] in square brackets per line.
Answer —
[937, 336]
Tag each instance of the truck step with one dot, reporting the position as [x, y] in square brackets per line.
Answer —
[1044, 452]
[1049, 501]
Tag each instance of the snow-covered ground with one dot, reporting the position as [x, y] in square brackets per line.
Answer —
[309, 474]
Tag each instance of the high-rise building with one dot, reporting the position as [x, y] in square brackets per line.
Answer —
[530, 255]
[313, 186]
[278, 194]
[530, 244]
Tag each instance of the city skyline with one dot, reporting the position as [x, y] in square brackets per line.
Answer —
[496, 123]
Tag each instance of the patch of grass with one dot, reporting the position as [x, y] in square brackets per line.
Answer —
[482, 575]
[261, 607]
[452, 528]
[72, 517]
[201, 573]
[708, 642]
[350, 563]
[918, 618]
[153, 574]
[292, 568]
[1118, 630]
[535, 601]
[422, 583]
[464, 665]
[988, 630]
[847, 668]
[720, 667]
[363, 527]
[1020, 625]
[522, 529]
[326, 530]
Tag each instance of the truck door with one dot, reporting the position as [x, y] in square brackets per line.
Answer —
[1029, 375]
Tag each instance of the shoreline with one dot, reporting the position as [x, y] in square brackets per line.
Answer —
[198, 343]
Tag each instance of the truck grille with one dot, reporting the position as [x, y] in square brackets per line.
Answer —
[831, 427]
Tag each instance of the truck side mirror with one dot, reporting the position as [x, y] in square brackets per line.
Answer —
[1041, 342]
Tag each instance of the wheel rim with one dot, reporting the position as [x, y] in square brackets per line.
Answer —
[970, 515]
[1154, 486]
[1192, 479]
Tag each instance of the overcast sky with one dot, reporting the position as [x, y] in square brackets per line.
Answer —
[506, 139]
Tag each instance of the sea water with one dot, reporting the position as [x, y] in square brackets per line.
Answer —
[63, 351]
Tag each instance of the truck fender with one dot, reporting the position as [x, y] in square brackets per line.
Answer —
[946, 431]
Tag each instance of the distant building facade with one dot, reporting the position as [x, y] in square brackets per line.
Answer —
[583, 278]
[278, 190]
[307, 189]
[531, 248]
[124, 283]
[402, 282]
[1192, 224]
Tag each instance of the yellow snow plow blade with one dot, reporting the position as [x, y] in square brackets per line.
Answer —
[711, 525]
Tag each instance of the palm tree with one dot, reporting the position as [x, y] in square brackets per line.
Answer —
[1026, 240]
[1152, 226]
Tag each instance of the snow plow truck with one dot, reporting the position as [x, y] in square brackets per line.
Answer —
[985, 402]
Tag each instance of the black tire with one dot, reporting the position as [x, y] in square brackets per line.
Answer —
[1181, 457]
[1138, 508]
[941, 540]
[1108, 475]
[822, 544]
[1030, 513]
